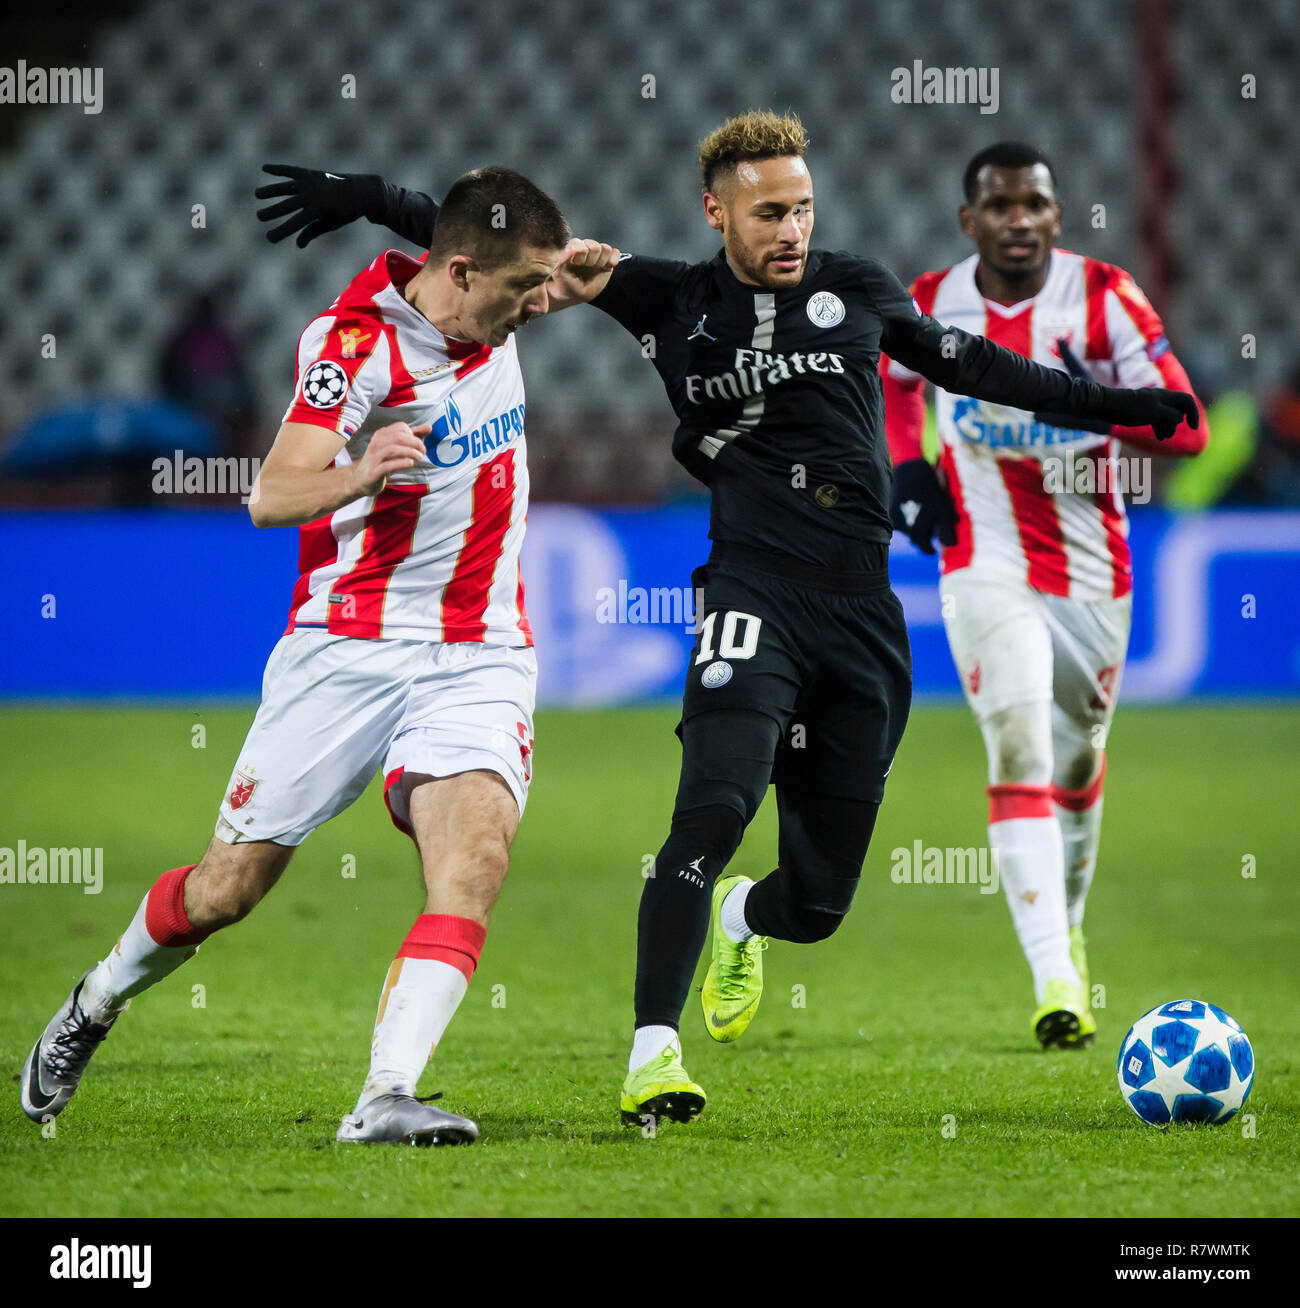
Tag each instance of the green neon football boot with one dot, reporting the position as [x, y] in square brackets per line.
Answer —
[733, 985]
[661, 1088]
[1058, 1022]
[1079, 957]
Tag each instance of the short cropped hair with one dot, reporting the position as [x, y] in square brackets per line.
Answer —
[759, 134]
[490, 214]
[1004, 154]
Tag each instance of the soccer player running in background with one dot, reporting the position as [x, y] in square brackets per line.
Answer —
[801, 672]
[1036, 577]
[402, 461]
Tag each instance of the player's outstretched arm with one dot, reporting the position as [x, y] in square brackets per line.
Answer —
[1075, 369]
[298, 482]
[312, 203]
[582, 274]
[1164, 411]
[972, 365]
[1186, 440]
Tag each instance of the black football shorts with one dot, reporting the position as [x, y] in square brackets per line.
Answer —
[832, 667]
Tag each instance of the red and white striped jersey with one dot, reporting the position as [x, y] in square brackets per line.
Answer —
[1010, 524]
[435, 555]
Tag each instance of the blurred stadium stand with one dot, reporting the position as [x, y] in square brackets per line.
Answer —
[95, 210]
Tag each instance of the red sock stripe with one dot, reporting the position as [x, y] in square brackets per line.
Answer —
[449, 939]
[1078, 801]
[1007, 802]
[164, 911]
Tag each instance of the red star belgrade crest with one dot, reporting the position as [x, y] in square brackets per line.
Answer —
[242, 791]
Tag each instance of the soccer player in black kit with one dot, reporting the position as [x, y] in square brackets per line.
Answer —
[801, 672]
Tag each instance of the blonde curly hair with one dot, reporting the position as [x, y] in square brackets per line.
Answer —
[759, 134]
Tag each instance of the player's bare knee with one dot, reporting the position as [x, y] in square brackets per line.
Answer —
[478, 868]
[232, 904]
[489, 863]
[230, 881]
[219, 901]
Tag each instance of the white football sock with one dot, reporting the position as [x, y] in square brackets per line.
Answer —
[420, 997]
[732, 917]
[1081, 833]
[649, 1042]
[1029, 858]
[135, 963]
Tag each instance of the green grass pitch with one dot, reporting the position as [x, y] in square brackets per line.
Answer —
[912, 1019]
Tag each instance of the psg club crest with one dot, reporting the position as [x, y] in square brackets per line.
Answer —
[825, 309]
[242, 791]
[324, 384]
[718, 673]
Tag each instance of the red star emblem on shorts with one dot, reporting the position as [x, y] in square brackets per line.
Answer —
[242, 791]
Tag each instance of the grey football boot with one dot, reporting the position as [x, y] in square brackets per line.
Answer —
[405, 1119]
[59, 1057]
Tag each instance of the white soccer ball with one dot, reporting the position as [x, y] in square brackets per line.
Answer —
[1186, 1061]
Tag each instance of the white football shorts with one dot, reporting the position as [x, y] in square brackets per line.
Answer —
[1015, 645]
[336, 708]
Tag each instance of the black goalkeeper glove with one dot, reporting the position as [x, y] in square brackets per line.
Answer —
[1068, 420]
[319, 202]
[919, 506]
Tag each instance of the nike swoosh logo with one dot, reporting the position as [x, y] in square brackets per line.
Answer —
[36, 1092]
[718, 1024]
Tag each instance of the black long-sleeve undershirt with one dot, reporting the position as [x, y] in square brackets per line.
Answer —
[410, 214]
[961, 363]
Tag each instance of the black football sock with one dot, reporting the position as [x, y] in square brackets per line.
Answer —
[674, 916]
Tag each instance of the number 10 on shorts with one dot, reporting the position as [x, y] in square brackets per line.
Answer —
[729, 647]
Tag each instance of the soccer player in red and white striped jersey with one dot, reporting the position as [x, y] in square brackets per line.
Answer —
[435, 555]
[401, 460]
[1036, 577]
